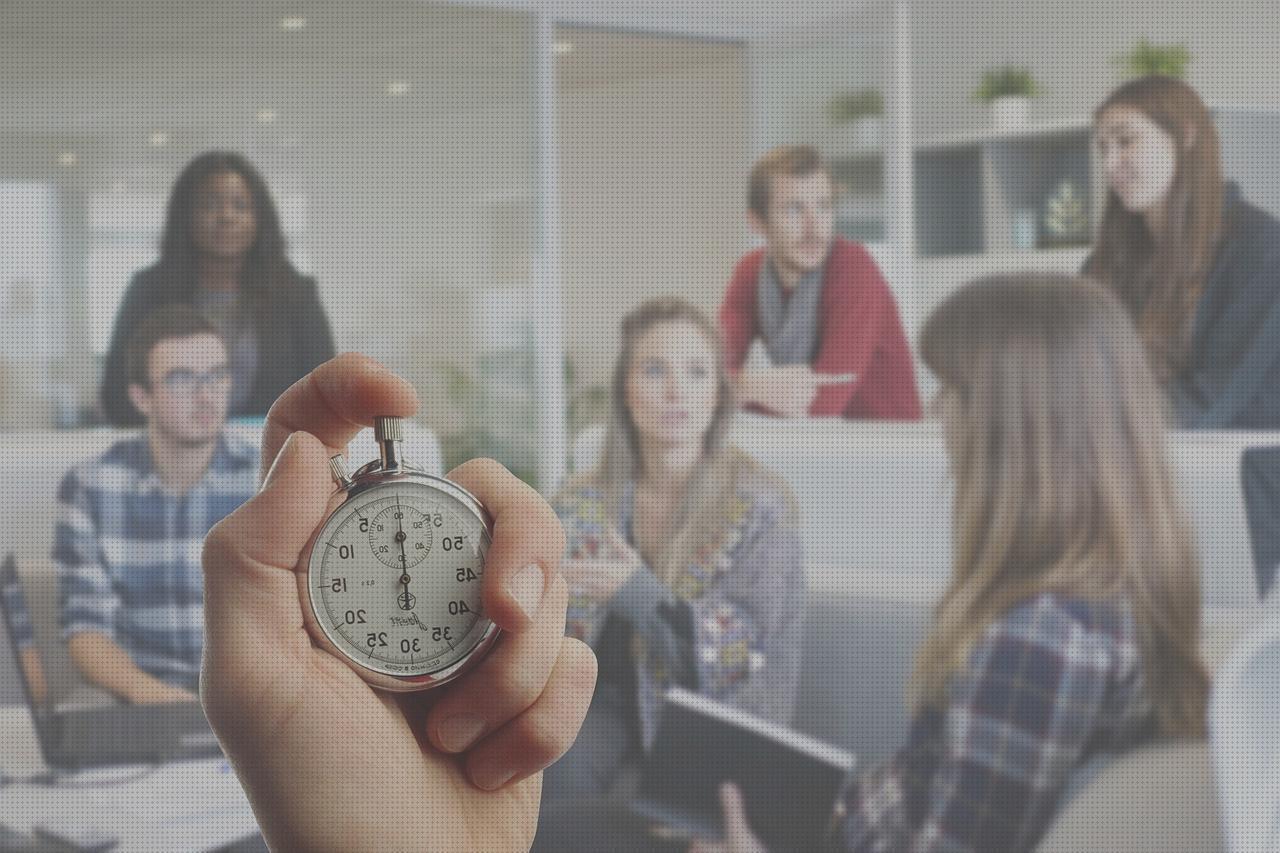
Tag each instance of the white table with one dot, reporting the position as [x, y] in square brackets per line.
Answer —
[182, 806]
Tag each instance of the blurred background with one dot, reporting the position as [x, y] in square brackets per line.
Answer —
[481, 192]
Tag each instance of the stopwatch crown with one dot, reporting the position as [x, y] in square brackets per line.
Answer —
[386, 428]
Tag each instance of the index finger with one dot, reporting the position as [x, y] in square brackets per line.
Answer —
[334, 402]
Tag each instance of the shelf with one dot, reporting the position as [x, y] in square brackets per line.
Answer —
[980, 136]
[988, 192]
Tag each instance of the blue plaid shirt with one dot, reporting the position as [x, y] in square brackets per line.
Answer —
[1052, 682]
[128, 552]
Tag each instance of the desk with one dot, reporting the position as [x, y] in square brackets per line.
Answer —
[875, 502]
[182, 806]
[32, 464]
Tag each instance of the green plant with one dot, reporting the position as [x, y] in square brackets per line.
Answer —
[487, 418]
[1007, 82]
[1169, 60]
[851, 106]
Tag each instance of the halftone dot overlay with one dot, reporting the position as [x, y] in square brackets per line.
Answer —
[872, 470]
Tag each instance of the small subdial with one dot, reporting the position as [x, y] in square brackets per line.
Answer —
[400, 536]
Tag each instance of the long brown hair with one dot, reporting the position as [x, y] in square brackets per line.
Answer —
[1160, 276]
[711, 490]
[1057, 443]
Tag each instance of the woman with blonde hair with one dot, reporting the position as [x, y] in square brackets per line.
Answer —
[684, 563]
[1069, 628]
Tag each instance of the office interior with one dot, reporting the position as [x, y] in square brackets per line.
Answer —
[483, 190]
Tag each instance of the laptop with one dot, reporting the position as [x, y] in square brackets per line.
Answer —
[100, 736]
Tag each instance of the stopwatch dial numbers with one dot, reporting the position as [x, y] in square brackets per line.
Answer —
[415, 607]
[400, 536]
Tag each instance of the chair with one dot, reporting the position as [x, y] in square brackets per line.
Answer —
[1244, 729]
[1156, 799]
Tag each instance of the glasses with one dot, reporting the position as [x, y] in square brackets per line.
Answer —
[189, 382]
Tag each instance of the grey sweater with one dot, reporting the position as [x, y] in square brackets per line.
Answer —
[730, 627]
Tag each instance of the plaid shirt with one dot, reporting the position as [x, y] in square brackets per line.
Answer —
[1050, 683]
[128, 552]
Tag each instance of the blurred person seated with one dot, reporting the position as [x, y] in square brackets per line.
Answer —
[1070, 628]
[817, 303]
[684, 566]
[223, 253]
[128, 543]
[1196, 264]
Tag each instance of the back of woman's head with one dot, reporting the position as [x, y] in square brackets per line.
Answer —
[1056, 431]
[265, 267]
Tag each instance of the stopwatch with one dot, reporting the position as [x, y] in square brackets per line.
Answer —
[390, 583]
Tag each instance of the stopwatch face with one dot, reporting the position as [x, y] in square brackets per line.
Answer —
[394, 578]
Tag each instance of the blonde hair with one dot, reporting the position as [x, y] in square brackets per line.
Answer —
[1062, 482]
[704, 515]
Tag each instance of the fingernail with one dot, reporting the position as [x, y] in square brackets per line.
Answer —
[460, 731]
[491, 777]
[526, 588]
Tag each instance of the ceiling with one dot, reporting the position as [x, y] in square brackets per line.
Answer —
[118, 73]
[71, 66]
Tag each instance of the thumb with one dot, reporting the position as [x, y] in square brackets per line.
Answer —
[250, 555]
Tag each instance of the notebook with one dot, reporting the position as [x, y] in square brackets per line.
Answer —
[790, 782]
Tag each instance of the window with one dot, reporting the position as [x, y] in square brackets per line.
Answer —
[124, 237]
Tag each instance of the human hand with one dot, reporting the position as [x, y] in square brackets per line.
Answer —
[738, 837]
[789, 391]
[599, 578]
[328, 762]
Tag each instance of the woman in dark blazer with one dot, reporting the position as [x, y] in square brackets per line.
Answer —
[223, 252]
[1199, 269]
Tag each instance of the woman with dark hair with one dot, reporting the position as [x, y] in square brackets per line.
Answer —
[223, 252]
[1198, 269]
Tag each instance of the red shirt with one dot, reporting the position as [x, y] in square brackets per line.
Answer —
[861, 334]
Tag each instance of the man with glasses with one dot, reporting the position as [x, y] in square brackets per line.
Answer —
[133, 521]
[832, 339]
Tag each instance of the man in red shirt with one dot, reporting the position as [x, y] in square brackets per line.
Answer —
[817, 303]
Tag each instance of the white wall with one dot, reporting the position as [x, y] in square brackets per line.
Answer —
[653, 166]
[1069, 47]
[792, 79]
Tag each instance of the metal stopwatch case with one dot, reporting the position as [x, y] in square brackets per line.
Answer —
[391, 581]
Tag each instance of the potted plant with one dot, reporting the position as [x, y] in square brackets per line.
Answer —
[1007, 92]
[1169, 60]
[862, 113]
